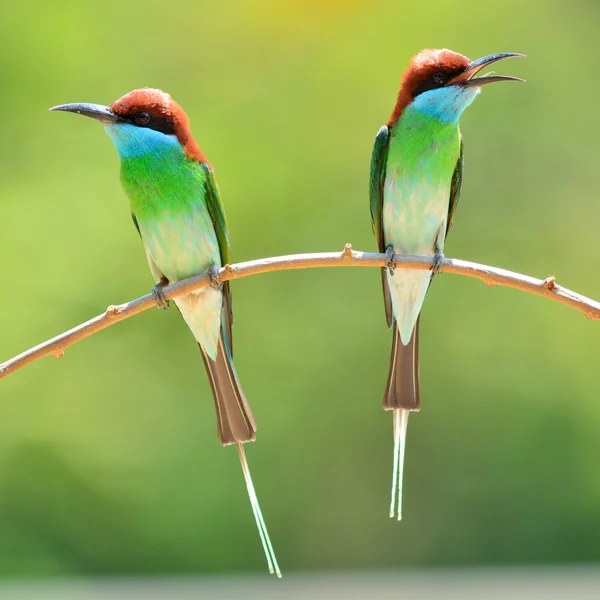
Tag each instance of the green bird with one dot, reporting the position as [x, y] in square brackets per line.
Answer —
[416, 175]
[177, 211]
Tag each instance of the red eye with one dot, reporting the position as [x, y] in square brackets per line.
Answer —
[143, 118]
[440, 77]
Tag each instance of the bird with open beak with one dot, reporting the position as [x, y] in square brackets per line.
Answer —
[416, 175]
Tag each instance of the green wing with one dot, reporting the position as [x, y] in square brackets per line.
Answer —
[378, 163]
[156, 272]
[136, 224]
[455, 188]
[215, 208]
[377, 179]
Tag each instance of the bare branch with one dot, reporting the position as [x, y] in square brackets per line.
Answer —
[347, 258]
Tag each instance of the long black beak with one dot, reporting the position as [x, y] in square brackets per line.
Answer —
[94, 111]
[467, 77]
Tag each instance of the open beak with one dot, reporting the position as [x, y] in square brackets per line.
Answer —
[94, 111]
[467, 77]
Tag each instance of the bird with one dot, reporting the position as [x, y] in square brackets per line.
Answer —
[177, 211]
[414, 186]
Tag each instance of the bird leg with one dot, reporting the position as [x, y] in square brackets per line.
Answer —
[438, 258]
[390, 260]
[158, 294]
[213, 275]
[438, 263]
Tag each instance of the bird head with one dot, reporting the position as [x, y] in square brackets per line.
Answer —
[142, 121]
[442, 83]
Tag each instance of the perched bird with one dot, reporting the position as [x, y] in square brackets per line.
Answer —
[415, 180]
[177, 211]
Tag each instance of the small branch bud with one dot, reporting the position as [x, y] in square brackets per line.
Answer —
[112, 311]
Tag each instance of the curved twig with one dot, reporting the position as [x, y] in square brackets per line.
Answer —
[348, 258]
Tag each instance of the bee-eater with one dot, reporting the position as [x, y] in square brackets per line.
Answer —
[177, 211]
[416, 174]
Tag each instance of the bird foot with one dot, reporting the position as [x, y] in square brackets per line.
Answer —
[390, 260]
[438, 263]
[159, 296]
[213, 275]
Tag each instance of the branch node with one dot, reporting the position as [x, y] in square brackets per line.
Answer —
[550, 283]
[112, 311]
[59, 353]
[347, 253]
[228, 270]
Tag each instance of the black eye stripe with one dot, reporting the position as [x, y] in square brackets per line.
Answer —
[426, 86]
[437, 80]
[161, 124]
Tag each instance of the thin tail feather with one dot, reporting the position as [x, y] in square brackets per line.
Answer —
[400, 424]
[260, 523]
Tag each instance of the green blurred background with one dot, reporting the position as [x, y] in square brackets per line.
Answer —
[109, 459]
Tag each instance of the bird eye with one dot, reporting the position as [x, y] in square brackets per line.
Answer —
[440, 77]
[143, 118]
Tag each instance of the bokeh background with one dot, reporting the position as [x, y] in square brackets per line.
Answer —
[109, 460]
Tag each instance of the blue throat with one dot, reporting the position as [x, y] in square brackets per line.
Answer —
[136, 141]
[447, 103]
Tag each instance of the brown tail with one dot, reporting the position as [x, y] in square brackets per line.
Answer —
[402, 389]
[235, 422]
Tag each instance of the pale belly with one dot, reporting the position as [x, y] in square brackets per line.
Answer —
[180, 247]
[414, 223]
[414, 216]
